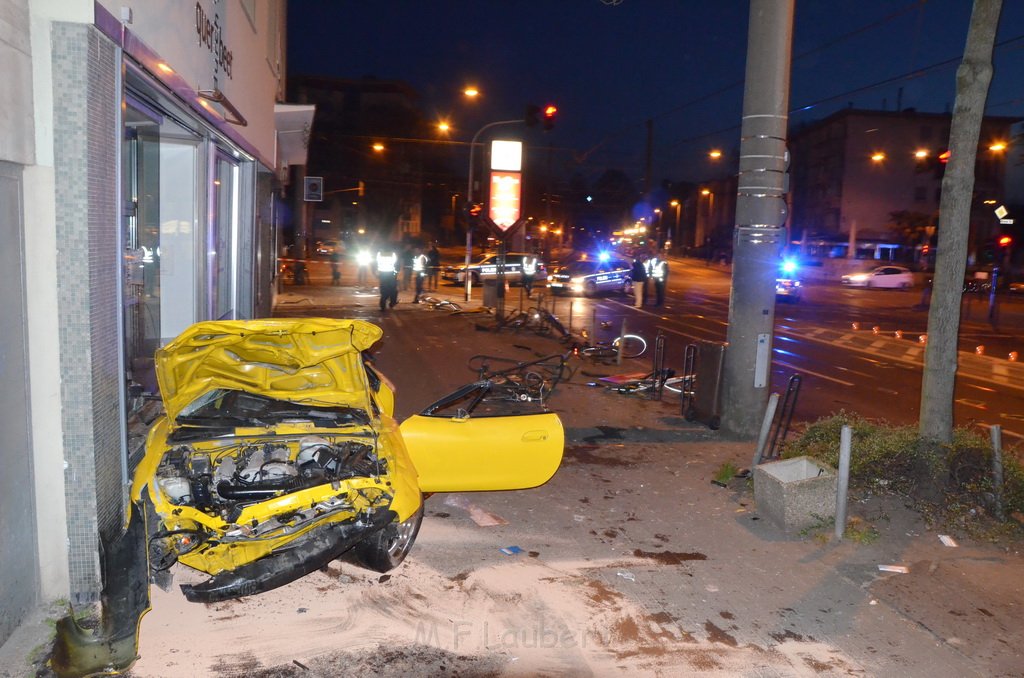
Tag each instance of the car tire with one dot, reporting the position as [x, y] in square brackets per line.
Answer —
[589, 289]
[476, 277]
[385, 549]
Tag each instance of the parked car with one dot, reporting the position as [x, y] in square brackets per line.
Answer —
[884, 276]
[278, 452]
[326, 247]
[487, 268]
[591, 276]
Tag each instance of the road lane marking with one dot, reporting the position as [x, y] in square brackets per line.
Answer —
[815, 374]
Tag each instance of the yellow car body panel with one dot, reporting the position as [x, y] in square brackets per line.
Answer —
[313, 360]
[484, 453]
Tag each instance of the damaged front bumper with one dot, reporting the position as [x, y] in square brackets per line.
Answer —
[306, 554]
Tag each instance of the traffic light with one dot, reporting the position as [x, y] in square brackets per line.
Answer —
[549, 116]
[532, 112]
[1005, 241]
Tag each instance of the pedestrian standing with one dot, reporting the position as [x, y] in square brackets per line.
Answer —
[658, 269]
[387, 277]
[419, 272]
[529, 272]
[406, 267]
[434, 266]
[639, 277]
[335, 269]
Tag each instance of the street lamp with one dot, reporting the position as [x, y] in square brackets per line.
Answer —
[469, 197]
[678, 236]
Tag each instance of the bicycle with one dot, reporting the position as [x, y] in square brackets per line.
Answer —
[628, 346]
[650, 382]
[441, 304]
[525, 380]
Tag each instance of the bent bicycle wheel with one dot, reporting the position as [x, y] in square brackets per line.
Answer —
[633, 345]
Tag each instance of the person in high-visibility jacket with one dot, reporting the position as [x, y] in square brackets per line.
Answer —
[657, 269]
[387, 275]
[529, 272]
[419, 272]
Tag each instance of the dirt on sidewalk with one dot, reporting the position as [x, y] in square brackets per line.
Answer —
[629, 561]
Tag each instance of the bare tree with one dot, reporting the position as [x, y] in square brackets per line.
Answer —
[972, 83]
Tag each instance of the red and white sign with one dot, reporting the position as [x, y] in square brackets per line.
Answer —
[506, 189]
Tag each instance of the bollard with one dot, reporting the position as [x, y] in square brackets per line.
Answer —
[996, 432]
[622, 343]
[766, 427]
[844, 480]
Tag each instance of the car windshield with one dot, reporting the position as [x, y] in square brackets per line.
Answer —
[581, 267]
[225, 409]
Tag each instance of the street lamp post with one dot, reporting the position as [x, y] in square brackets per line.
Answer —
[677, 236]
[469, 199]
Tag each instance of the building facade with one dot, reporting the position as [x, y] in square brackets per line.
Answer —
[856, 169]
[138, 158]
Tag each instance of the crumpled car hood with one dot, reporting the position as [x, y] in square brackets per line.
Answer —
[310, 360]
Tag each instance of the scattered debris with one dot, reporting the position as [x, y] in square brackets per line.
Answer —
[481, 517]
[628, 576]
[578, 518]
[899, 569]
[511, 550]
[948, 541]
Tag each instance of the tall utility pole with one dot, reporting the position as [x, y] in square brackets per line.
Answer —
[760, 218]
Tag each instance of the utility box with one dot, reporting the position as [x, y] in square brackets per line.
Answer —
[795, 493]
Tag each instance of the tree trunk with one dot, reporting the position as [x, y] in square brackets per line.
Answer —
[972, 82]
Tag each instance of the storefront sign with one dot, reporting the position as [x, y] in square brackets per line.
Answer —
[211, 35]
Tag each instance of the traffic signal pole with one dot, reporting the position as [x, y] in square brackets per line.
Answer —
[760, 218]
[469, 200]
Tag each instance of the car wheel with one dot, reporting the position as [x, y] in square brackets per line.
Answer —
[476, 277]
[590, 289]
[385, 549]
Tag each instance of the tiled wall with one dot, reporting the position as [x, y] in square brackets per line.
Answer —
[85, 163]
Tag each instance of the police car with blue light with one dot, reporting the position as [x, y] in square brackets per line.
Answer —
[487, 268]
[788, 286]
[591, 275]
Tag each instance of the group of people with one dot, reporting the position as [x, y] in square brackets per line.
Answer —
[649, 271]
[417, 267]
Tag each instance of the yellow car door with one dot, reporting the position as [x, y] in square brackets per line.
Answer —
[466, 452]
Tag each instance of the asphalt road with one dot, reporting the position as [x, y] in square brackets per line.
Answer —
[835, 375]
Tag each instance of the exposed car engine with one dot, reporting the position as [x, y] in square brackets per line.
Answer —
[222, 481]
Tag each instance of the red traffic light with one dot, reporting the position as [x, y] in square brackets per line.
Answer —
[1005, 241]
[549, 116]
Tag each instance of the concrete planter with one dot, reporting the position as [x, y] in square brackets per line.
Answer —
[795, 493]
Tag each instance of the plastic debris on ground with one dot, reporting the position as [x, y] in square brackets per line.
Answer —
[511, 550]
[899, 569]
[948, 541]
[628, 576]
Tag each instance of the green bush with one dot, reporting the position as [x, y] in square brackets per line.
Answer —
[886, 458]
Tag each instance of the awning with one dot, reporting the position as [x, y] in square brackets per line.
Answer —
[293, 123]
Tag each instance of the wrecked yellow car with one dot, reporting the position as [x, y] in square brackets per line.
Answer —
[278, 452]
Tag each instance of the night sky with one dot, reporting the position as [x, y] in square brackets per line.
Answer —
[680, 63]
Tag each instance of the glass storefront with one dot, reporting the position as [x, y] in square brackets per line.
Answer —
[187, 194]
